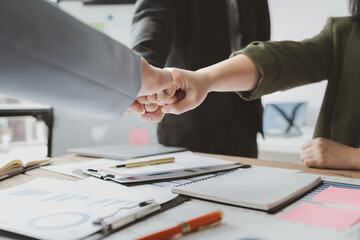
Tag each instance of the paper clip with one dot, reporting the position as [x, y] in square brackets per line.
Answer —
[99, 174]
[112, 222]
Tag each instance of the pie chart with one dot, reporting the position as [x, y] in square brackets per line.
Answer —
[58, 220]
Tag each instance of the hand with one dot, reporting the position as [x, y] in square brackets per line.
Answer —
[153, 111]
[153, 80]
[187, 91]
[190, 89]
[325, 153]
[152, 115]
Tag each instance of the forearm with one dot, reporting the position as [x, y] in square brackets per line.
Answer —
[235, 74]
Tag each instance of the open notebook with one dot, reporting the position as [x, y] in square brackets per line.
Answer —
[11, 166]
[252, 188]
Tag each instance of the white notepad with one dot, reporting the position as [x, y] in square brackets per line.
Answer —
[259, 189]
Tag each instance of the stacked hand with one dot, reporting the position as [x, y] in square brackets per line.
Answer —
[168, 91]
[154, 80]
[177, 91]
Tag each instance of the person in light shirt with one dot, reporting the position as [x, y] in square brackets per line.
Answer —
[47, 56]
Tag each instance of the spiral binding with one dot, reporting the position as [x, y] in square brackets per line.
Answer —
[226, 172]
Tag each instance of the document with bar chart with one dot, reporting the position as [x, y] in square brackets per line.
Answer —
[59, 209]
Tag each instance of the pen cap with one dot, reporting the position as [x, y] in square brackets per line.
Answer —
[204, 220]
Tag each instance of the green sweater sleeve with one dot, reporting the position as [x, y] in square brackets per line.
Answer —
[288, 64]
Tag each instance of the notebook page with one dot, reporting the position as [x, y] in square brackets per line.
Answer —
[250, 188]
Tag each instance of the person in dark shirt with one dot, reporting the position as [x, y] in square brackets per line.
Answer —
[192, 34]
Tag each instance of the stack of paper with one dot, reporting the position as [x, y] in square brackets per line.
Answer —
[59, 209]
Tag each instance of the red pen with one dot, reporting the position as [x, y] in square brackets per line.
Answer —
[187, 227]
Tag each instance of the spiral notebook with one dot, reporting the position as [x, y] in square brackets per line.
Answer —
[266, 190]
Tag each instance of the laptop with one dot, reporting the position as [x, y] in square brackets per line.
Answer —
[124, 151]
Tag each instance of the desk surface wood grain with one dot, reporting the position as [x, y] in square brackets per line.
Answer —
[72, 158]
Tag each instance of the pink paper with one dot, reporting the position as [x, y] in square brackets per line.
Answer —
[328, 217]
[341, 196]
[139, 137]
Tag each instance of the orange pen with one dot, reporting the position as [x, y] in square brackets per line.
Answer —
[187, 227]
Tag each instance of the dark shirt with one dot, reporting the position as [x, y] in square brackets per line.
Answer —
[192, 34]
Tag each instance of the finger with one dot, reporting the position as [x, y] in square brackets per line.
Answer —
[307, 153]
[136, 107]
[162, 98]
[184, 105]
[166, 96]
[151, 107]
[305, 159]
[307, 144]
[143, 99]
[154, 117]
[169, 96]
[152, 98]
[306, 162]
[171, 91]
[168, 100]
[311, 162]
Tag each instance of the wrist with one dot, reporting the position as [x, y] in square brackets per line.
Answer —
[207, 79]
[235, 74]
[146, 69]
[355, 157]
[148, 76]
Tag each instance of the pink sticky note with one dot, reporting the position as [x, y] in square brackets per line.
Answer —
[139, 137]
[328, 217]
[341, 196]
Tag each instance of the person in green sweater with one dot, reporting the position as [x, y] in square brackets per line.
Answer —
[265, 67]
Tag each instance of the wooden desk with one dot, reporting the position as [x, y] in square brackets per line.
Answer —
[237, 221]
[72, 158]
